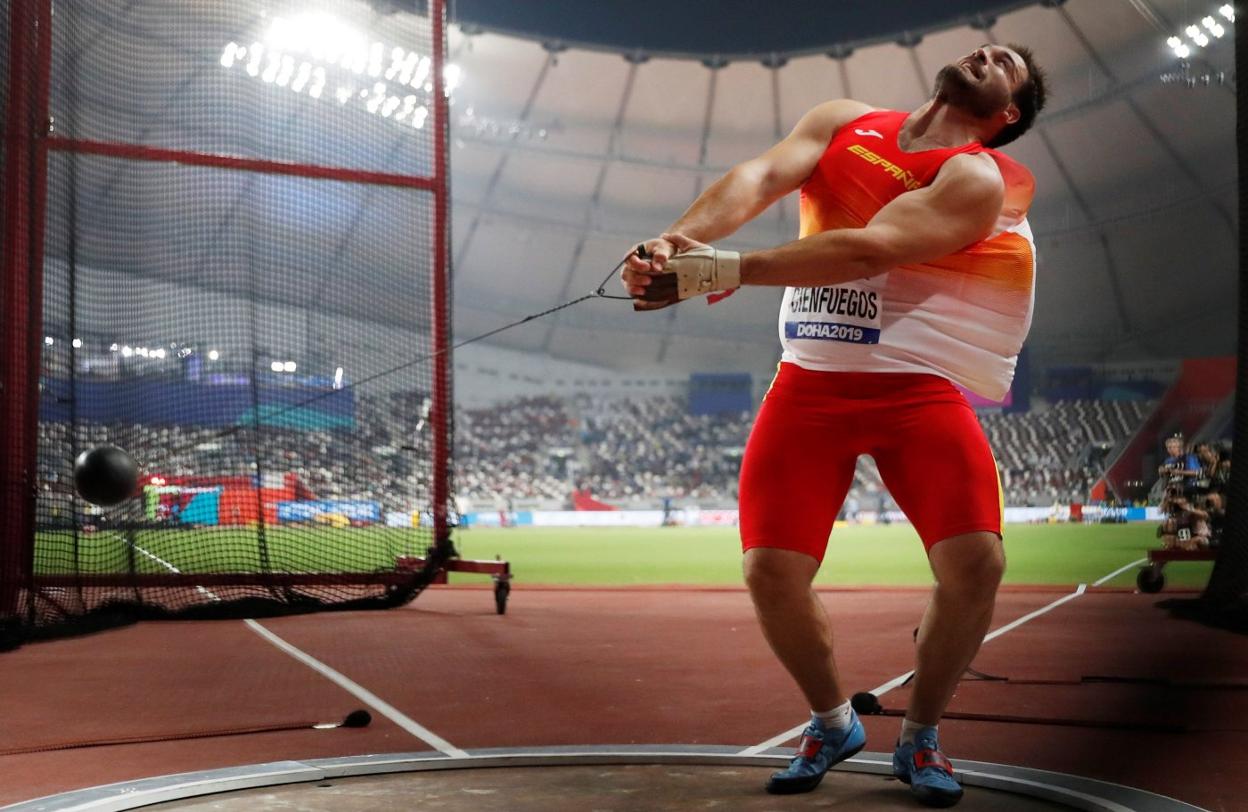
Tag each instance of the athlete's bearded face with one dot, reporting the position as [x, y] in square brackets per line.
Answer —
[983, 82]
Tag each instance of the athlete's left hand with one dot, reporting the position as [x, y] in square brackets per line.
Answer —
[695, 269]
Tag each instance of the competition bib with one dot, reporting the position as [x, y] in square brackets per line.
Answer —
[849, 312]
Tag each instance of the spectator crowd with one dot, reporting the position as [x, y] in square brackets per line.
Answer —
[538, 450]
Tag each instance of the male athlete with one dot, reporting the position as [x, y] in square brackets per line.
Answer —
[914, 269]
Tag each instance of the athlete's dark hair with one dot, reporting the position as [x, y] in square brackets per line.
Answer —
[1029, 99]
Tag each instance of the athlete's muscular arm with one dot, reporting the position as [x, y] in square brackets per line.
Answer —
[959, 208]
[750, 187]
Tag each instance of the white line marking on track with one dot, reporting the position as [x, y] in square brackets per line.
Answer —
[792, 733]
[895, 682]
[1119, 571]
[1033, 615]
[210, 595]
[360, 692]
[774, 741]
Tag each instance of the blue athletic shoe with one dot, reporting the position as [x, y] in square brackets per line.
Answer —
[817, 751]
[926, 770]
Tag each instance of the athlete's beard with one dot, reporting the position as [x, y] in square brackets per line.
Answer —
[954, 88]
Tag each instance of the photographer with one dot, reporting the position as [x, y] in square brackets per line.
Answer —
[1179, 468]
[1222, 477]
[1187, 525]
[1208, 456]
[1216, 463]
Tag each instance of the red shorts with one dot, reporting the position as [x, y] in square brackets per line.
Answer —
[923, 435]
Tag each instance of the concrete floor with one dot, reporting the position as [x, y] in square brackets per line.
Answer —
[586, 788]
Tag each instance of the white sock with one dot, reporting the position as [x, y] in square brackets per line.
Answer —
[837, 718]
[909, 729]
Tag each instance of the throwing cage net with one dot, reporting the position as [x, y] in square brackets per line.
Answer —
[224, 241]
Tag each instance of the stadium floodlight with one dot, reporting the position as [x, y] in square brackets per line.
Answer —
[276, 366]
[396, 63]
[422, 72]
[48, 340]
[318, 82]
[288, 366]
[378, 96]
[318, 34]
[233, 51]
[301, 78]
[410, 63]
[1196, 32]
[286, 71]
[113, 348]
[257, 56]
[305, 52]
[213, 355]
[270, 70]
[409, 106]
[486, 127]
[453, 77]
[77, 342]
[1213, 26]
[160, 353]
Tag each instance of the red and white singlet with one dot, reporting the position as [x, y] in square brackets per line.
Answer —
[963, 317]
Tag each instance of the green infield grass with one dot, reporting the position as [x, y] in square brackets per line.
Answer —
[227, 549]
[881, 555]
[1060, 554]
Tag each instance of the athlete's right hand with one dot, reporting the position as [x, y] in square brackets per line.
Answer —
[638, 271]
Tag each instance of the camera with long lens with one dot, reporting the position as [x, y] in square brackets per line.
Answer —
[1174, 498]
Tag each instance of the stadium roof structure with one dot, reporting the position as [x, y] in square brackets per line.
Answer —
[730, 30]
[574, 136]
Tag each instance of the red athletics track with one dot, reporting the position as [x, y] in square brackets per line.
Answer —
[577, 666]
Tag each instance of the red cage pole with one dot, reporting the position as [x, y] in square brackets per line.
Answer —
[25, 172]
[143, 152]
[25, 181]
[440, 413]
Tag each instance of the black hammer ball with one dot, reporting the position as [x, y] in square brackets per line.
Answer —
[866, 703]
[105, 475]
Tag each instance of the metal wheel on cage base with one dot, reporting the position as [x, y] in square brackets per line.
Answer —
[1150, 579]
[502, 588]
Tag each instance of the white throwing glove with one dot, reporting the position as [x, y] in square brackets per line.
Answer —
[693, 273]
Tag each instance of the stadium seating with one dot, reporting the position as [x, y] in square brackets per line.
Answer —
[537, 450]
[1044, 455]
